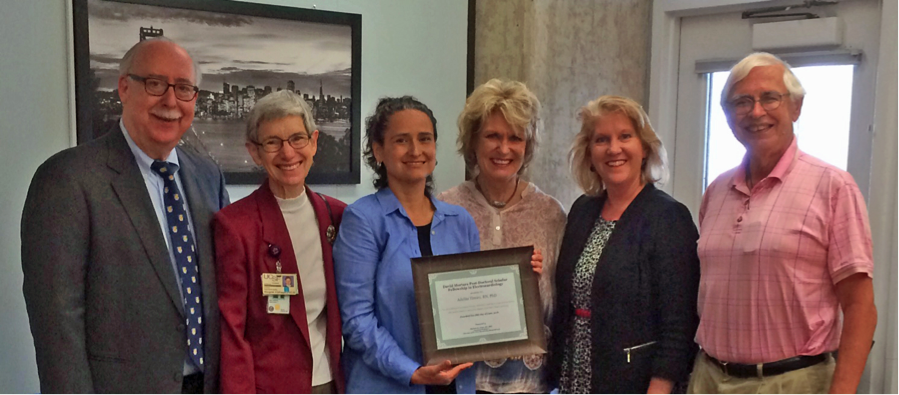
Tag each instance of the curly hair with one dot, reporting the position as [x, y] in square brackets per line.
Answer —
[376, 127]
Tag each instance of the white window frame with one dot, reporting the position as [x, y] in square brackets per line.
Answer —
[880, 373]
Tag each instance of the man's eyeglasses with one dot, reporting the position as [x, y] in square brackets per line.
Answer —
[743, 105]
[273, 144]
[158, 87]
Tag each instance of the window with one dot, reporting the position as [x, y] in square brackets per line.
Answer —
[822, 130]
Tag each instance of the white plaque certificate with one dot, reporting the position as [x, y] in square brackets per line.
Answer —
[478, 306]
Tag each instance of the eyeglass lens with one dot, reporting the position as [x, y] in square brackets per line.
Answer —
[770, 101]
[297, 141]
[158, 87]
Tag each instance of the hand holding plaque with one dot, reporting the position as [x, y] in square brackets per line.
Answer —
[440, 374]
[478, 306]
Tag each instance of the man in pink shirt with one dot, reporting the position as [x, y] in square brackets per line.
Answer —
[784, 247]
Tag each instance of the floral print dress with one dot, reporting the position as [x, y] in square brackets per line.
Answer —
[576, 365]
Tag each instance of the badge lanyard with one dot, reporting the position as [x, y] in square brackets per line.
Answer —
[275, 287]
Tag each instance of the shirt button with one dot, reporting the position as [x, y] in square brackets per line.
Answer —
[740, 219]
[433, 232]
[497, 227]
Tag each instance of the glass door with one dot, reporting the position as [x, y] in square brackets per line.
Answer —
[822, 130]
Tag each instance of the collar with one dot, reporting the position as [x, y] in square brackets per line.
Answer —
[389, 204]
[292, 204]
[783, 167]
[143, 160]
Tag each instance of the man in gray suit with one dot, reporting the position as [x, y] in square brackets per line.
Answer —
[119, 281]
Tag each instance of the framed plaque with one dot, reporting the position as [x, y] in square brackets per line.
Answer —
[478, 306]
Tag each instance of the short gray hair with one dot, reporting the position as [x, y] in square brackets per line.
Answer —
[758, 59]
[128, 60]
[278, 105]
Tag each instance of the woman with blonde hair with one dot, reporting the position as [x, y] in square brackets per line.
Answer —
[497, 138]
[628, 275]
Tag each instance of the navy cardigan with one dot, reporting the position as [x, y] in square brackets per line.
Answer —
[644, 291]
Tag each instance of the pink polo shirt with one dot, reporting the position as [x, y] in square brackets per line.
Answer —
[770, 259]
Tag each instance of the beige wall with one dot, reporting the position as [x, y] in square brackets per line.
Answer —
[567, 52]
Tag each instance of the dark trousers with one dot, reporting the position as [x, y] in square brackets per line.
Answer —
[192, 384]
[441, 389]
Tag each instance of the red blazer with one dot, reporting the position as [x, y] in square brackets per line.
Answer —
[261, 352]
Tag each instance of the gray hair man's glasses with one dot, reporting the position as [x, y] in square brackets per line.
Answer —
[158, 87]
[743, 105]
[273, 144]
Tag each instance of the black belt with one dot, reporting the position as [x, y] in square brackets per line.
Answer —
[770, 368]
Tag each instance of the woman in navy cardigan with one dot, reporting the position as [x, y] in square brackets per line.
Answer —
[628, 274]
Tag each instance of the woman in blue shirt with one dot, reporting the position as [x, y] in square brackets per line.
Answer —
[378, 236]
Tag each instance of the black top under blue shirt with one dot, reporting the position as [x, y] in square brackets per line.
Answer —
[424, 244]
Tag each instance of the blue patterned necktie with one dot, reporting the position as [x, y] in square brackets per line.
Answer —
[185, 258]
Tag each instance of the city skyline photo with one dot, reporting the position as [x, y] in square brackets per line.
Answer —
[244, 54]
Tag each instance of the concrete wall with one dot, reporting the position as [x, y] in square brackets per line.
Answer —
[568, 53]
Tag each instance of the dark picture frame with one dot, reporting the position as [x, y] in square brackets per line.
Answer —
[237, 70]
[535, 343]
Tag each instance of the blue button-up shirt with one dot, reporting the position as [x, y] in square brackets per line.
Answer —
[155, 186]
[374, 286]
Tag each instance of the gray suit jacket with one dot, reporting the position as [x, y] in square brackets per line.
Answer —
[102, 298]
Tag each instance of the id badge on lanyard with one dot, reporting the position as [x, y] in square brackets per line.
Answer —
[278, 287]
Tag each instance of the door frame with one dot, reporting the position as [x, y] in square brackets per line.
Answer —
[880, 371]
[665, 59]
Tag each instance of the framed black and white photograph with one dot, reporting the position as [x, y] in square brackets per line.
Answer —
[245, 51]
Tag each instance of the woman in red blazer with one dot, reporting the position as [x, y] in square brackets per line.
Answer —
[290, 341]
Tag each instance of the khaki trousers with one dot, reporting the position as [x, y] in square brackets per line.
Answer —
[707, 378]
